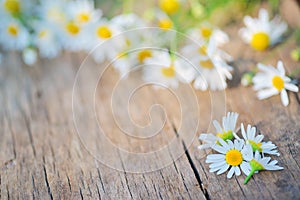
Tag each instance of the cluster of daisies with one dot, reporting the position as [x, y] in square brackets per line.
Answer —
[127, 41]
[235, 154]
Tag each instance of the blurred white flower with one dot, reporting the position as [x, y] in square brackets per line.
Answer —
[53, 11]
[211, 69]
[13, 36]
[262, 33]
[163, 69]
[128, 21]
[272, 81]
[46, 40]
[102, 34]
[74, 36]
[29, 56]
[207, 31]
[83, 11]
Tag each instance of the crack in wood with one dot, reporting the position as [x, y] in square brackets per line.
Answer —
[47, 182]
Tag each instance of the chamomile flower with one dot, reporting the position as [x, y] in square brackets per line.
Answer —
[225, 132]
[272, 81]
[128, 21]
[46, 40]
[11, 6]
[74, 36]
[261, 33]
[83, 11]
[102, 34]
[232, 155]
[257, 163]
[53, 11]
[207, 31]
[13, 36]
[212, 70]
[163, 69]
[256, 141]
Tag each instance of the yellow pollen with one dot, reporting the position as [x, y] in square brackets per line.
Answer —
[278, 83]
[142, 55]
[207, 64]
[205, 32]
[234, 157]
[83, 17]
[13, 30]
[12, 6]
[168, 71]
[203, 50]
[165, 24]
[72, 28]
[169, 6]
[260, 41]
[104, 32]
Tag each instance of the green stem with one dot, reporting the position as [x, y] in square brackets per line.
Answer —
[249, 176]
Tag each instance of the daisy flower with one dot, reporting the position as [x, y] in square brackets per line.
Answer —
[225, 132]
[53, 11]
[163, 68]
[74, 36]
[46, 40]
[272, 81]
[262, 33]
[256, 141]
[101, 34]
[207, 31]
[211, 69]
[232, 155]
[128, 21]
[257, 163]
[83, 11]
[13, 36]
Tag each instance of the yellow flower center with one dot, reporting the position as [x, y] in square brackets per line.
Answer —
[104, 32]
[203, 50]
[234, 157]
[255, 146]
[206, 32]
[169, 6]
[43, 34]
[165, 24]
[207, 64]
[142, 55]
[83, 17]
[13, 30]
[278, 83]
[55, 14]
[12, 6]
[72, 28]
[260, 41]
[168, 71]
[226, 135]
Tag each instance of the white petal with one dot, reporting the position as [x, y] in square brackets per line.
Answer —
[280, 68]
[219, 149]
[284, 98]
[291, 87]
[263, 94]
[237, 171]
[245, 166]
[243, 131]
[230, 173]
[223, 169]
[217, 126]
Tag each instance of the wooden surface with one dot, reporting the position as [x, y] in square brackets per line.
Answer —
[43, 155]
